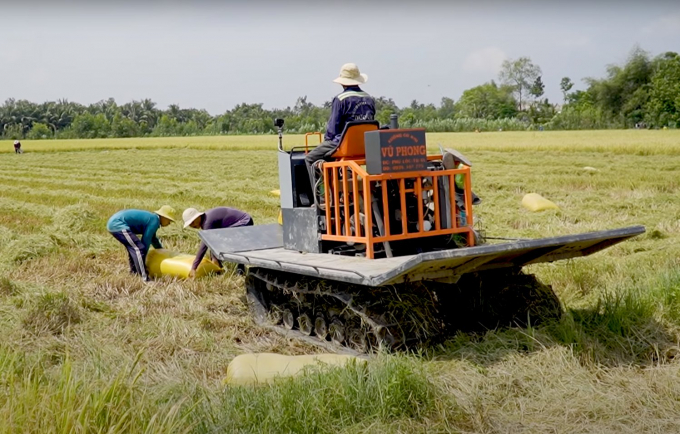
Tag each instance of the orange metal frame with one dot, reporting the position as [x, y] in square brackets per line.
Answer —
[356, 181]
[307, 136]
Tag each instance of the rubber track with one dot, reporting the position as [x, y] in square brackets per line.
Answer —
[314, 287]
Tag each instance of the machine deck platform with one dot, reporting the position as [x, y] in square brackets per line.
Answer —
[260, 246]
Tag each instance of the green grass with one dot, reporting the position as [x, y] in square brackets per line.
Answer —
[387, 391]
[88, 348]
[69, 402]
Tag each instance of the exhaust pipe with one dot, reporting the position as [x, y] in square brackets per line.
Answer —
[394, 121]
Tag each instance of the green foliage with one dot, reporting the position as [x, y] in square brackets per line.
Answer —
[124, 127]
[460, 125]
[565, 86]
[663, 108]
[625, 91]
[384, 107]
[91, 126]
[488, 101]
[17, 117]
[521, 74]
[39, 131]
[447, 108]
[166, 126]
[540, 112]
[537, 88]
[644, 91]
[13, 132]
[583, 117]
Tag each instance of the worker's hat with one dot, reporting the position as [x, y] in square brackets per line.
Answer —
[166, 211]
[350, 75]
[189, 215]
[16, 142]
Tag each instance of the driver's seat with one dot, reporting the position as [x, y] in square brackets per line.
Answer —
[351, 145]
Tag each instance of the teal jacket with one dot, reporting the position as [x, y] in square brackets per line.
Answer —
[138, 222]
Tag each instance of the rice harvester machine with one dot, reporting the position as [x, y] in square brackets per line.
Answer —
[379, 249]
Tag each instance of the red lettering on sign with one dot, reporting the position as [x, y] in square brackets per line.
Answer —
[395, 137]
[403, 151]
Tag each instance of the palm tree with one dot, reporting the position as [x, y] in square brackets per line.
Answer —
[149, 112]
[108, 108]
[174, 112]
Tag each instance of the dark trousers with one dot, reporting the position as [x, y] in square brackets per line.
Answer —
[321, 152]
[136, 252]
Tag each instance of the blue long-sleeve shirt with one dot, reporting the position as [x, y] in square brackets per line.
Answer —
[137, 221]
[353, 104]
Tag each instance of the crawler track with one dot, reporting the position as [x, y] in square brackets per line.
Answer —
[343, 316]
[354, 319]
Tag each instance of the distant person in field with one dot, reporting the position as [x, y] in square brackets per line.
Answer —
[353, 104]
[17, 147]
[127, 224]
[216, 218]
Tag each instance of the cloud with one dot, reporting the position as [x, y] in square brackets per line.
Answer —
[486, 60]
[667, 26]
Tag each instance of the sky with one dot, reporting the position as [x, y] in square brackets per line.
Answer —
[214, 55]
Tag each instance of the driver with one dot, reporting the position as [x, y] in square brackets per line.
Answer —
[353, 104]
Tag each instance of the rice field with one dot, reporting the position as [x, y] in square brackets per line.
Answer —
[88, 348]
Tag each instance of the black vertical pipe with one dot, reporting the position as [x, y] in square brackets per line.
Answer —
[394, 122]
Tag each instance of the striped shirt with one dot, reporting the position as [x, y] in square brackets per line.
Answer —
[138, 222]
[353, 104]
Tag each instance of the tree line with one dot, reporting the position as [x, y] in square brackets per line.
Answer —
[642, 92]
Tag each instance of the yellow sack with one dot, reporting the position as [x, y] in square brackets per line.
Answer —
[265, 367]
[536, 202]
[162, 262]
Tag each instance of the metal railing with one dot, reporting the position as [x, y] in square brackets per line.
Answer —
[350, 191]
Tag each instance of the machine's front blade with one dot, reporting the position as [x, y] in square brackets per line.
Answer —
[242, 239]
[438, 265]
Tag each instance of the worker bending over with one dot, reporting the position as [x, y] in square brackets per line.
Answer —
[353, 104]
[125, 225]
[216, 218]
